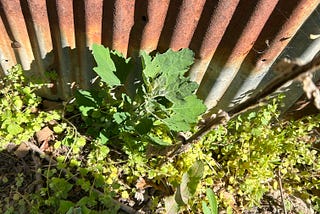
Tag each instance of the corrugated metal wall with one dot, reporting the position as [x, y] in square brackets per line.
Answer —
[236, 42]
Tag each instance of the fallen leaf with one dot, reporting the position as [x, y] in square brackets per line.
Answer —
[141, 183]
[45, 134]
[11, 147]
[44, 146]
[22, 150]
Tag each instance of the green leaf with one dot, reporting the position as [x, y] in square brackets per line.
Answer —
[106, 67]
[18, 103]
[158, 141]
[179, 89]
[195, 174]
[119, 117]
[174, 63]
[14, 129]
[212, 201]
[99, 180]
[189, 183]
[60, 186]
[144, 126]
[103, 139]
[171, 63]
[87, 100]
[64, 206]
[184, 113]
[149, 69]
[123, 66]
[205, 208]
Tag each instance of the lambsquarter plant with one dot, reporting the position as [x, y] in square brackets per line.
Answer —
[151, 108]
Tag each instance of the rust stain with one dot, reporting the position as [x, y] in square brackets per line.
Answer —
[88, 22]
[122, 24]
[149, 17]
[39, 19]
[93, 19]
[37, 25]
[64, 9]
[243, 30]
[209, 32]
[154, 19]
[251, 31]
[186, 23]
[7, 57]
[61, 22]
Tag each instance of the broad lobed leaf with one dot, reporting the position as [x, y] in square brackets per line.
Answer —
[185, 113]
[170, 63]
[106, 67]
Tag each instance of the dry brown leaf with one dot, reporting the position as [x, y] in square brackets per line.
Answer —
[141, 183]
[45, 134]
[22, 150]
[44, 146]
[311, 89]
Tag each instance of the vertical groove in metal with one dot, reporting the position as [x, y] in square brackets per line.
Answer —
[208, 34]
[16, 28]
[235, 42]
[60, 14]
[7, 56]
[149, 17]
[285, 20]
[122, 23]
[87, 22]
[38, 33]
[145, 33]
[239, 38]
[186, 23]
[291, 21]
[283, 24]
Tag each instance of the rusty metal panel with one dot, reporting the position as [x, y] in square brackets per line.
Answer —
[282, 25]
[13, 20]
[235, 42]
[238, 40]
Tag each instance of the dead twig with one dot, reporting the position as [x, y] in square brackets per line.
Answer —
[281, 192]
[123, 207]
[37, 166]
[291, 73]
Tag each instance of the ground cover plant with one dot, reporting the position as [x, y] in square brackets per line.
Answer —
[116, 148]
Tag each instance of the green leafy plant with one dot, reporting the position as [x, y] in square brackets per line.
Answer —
[151, 108]
[19, 115]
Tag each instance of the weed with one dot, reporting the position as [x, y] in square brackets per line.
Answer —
[112, 143]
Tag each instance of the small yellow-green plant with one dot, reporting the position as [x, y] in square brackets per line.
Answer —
[19, 115]
[256, 151]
